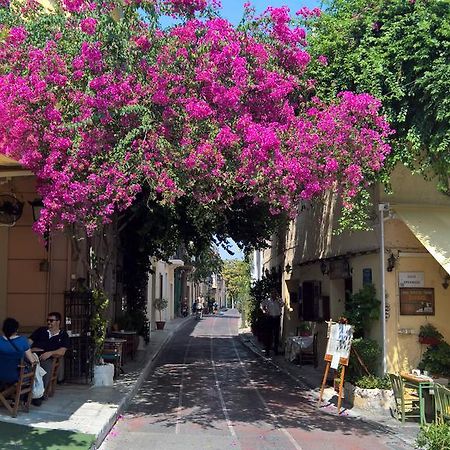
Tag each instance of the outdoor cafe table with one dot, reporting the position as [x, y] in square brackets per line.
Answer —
[424, 384]
[294, 345]
[129, 336]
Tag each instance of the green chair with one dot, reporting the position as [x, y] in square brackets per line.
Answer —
[407, 401]
[442, 403]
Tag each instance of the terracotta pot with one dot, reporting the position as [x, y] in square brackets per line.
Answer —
[427, 340]
[160, 325]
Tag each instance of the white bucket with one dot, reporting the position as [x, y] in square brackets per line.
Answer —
[104, 375]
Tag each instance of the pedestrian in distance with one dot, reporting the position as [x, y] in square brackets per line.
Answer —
[272, 308]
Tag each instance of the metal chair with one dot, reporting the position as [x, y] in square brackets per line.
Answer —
[442, 403]
[309, 355]
[16, 384]
[407, 401]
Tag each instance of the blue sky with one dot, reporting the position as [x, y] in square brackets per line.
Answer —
[232, 9]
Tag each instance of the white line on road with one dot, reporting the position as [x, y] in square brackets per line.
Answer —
[180, 394]
[222, 401]
[266, 406]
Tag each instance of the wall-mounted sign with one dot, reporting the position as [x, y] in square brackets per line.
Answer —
[411, 279]
[417, 301]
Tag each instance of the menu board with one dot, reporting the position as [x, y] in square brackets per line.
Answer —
[339, 343]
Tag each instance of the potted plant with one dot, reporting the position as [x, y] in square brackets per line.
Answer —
[429, 335]
[160, 304]
[103, 372]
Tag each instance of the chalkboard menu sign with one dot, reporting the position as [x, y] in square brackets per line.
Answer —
[417, 301]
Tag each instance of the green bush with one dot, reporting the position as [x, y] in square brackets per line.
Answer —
[373, 382]
[362, 309]
[436, 359]
[434, 437]
[369, 352]
[431, 331]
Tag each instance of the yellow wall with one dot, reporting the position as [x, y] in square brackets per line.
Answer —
[309, 239]
[26, 293]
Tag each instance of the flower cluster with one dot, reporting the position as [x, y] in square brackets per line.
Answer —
[201, 109]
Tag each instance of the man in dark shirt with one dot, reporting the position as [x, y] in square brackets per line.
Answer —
[49, 342]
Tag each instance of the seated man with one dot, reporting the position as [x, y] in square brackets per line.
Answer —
[48, 342]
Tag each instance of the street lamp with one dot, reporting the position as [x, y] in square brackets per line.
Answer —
[36, 206]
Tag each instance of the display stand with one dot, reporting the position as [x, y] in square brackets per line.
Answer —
[337, 353]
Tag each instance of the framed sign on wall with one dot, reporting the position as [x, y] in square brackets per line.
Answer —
[417, 301]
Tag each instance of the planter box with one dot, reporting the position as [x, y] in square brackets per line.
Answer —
[381, 400]
[160, 325]
[429, 340]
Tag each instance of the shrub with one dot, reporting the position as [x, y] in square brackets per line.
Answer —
[436, 359]
[373, 382]
[434, 437]
[430, 330]
[369, 351]
[160, 304]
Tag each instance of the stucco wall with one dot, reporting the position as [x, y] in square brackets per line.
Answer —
[26, 292]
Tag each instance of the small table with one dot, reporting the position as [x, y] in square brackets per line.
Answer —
[294, 345]
[423, 383]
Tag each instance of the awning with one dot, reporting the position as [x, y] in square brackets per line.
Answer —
[8, 162]
[431, 226]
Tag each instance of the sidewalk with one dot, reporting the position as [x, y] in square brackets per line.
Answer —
[311, 379]
[91, 411]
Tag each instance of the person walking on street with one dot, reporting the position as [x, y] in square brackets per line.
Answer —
[272, 308]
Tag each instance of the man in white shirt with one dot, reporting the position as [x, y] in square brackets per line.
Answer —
[272, 308]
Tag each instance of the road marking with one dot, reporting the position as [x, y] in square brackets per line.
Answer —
[180, 393]
[266, 406]
[222, 401]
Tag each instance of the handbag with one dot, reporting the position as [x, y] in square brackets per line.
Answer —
[38, 384]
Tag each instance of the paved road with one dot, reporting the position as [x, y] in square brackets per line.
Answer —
[209, 392]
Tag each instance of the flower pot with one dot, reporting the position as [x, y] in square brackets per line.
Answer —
[160, 325]
[427, 340]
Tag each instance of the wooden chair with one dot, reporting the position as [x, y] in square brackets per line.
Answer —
[407, 401]
[14, 392]
[53, 377]
[309, 355]
[442, 403]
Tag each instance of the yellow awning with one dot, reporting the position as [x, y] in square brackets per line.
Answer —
[431, 226]
[8, 162]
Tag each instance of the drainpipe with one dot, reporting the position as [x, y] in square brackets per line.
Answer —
[382, 207]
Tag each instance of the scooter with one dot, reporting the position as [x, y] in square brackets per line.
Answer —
[198, 314]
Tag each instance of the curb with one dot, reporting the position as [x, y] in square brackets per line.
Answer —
[137, 385]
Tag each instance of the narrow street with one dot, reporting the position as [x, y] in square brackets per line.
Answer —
[209, 392]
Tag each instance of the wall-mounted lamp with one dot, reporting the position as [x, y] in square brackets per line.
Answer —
[391, 263]
[37, 206]
[445, 282]
[324, 268]
[288, 268]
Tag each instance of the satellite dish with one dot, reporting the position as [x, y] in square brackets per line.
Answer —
[10, 210]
